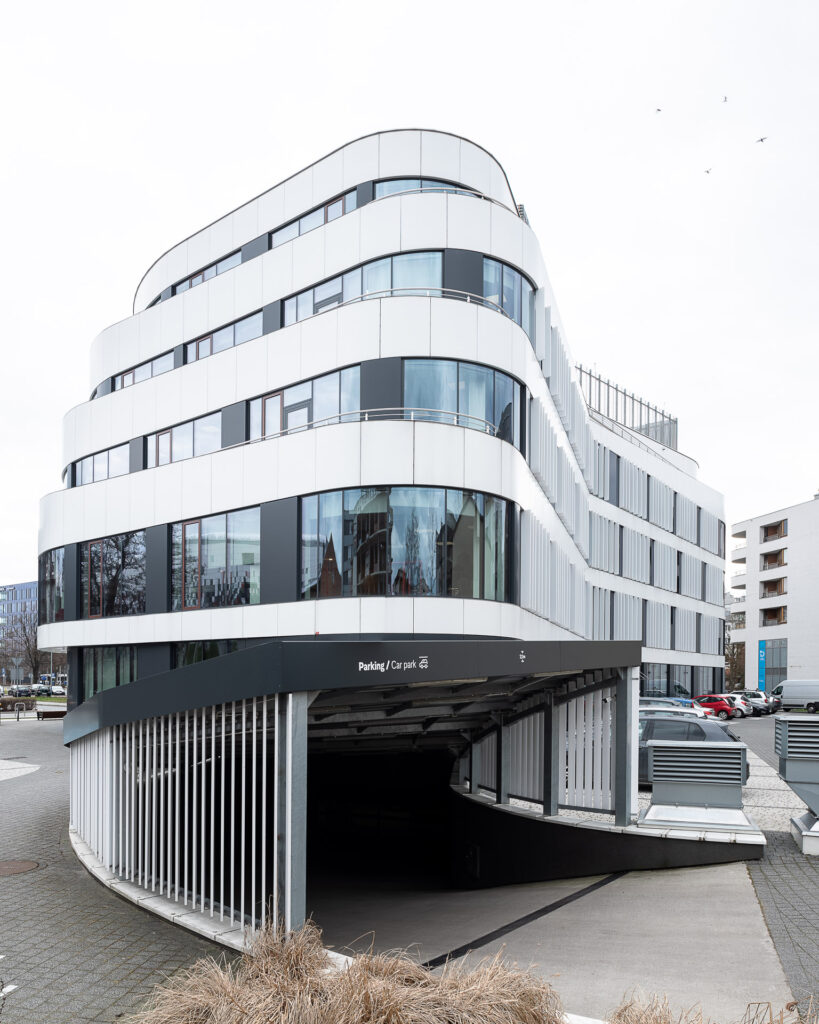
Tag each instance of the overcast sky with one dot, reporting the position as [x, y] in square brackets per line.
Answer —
[127, 126]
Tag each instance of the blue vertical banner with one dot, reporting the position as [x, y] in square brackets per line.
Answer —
[761, 664]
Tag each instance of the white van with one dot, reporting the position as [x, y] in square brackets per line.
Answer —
[798, 693]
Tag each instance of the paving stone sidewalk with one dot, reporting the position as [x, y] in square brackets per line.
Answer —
[785, 880]
[76, 952]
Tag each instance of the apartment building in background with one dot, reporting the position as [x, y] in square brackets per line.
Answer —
[18, 611]
[775, 618]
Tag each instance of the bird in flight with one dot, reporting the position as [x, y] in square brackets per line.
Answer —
[658, 110]
[762, 139]
[707, 170]
[724, 99]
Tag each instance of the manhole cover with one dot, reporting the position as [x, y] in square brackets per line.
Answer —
[16, 867]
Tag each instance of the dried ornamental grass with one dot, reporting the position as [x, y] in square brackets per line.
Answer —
[291, 980]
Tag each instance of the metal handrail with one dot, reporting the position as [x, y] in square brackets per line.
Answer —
[457, 190]
[430, 293]
[406, 413]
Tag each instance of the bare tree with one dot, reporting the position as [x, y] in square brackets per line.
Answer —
[21, 641]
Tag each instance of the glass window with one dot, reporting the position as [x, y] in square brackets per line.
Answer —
[350, 201]
[124, 574]
[290, 308]
[272, 414]
[207, 434]
[285, 234]
[255, 419]
[94, 603]
[176, 567]
[298, 393]
[204, 347]
[182, 287]
[305, 304]
[366, 522]
[464, 543]
[244, 557]
[492, 281]
[352, 285]
[163, 448]
[330, 545]
[119, 460]
[476, 395]
[430, 386]
[126, 665]
[327, 295]
[504, 407]
[142, 372]
[190, 352]
[296, 418]
[209, 272]
[377, 276]
[190, 565]
[351, 391]
[182, 446]
[248, 329]
[417, 271]
[212, 552]
[416, 541]
[101, 466]
[162, 364]
[86, 468]
[311, 220]
[325, 398]
[222, 339]
[335, 210]
[309, 546]
[511, 293]
[389, 188]
[494, 576]
[229, 262]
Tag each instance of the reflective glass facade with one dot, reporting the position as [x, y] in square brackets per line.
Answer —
[481, 398]
[215, 561]
[50, 586]
[405, 541]
[112, 576]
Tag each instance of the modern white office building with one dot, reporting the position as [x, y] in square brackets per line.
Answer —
[339, 487]
[775, 565]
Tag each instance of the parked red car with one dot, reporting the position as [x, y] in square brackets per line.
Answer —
[718, 705]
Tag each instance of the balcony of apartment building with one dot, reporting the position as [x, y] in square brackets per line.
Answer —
[773, 587]
[736, 621]
[738, 582]
[738, 533]
[773, 531]
[777, 616]
[769, 560]
[739, 555]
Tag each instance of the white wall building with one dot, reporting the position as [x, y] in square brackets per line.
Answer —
[775, 567]
[347, 411]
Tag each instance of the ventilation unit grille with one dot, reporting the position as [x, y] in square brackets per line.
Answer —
[698, 763]
[797, 739]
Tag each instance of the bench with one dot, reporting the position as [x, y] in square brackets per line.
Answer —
[42, 715]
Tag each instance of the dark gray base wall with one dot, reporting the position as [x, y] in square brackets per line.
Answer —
[494, 846]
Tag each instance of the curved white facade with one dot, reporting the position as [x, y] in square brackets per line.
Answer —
[346, 412]
[566, 535]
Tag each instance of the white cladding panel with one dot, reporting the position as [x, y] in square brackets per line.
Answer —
[685, 630]
[690, 576]
[660, 504]
[665, 566]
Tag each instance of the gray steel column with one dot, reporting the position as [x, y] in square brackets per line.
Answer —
[291, 788]
[503, 764]
[625, 745]
[554, 756]
[474, 766]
